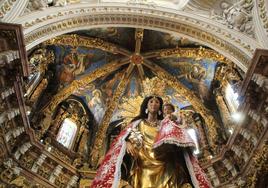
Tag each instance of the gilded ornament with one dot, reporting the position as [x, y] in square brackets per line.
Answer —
[153, 86]
[38, 90]
[196, 53]
[19, 181]
[76, 40]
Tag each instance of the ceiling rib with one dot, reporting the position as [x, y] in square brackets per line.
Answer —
[139, 39]
[196, 53]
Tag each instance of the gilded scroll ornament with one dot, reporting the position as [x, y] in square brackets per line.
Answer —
[196, 53]
[259, 165]
[75, 41]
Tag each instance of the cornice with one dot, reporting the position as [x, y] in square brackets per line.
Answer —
[261, 22]
[35, 19]
[5, 7]
[10, 10]
[41, 25]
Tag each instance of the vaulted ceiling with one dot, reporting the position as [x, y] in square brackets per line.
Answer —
[106, 49]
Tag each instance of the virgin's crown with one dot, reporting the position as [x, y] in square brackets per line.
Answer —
[153, 86]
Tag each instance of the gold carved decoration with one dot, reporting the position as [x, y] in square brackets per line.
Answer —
[43, 58]
[190, 96]
[259, 167]
[75, 41]
[19, 181]
[7, 175]
[38, 90]
[38, 63]
[263, 14]
[100, 136]
[76, 84]
[196, 53]
[84, 183]
[154, 86]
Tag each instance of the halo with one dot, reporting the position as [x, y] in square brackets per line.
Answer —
[130, 107]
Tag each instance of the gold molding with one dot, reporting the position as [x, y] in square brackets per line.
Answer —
[100, 136]
[76, 40]
[196, 53]
[259, 166]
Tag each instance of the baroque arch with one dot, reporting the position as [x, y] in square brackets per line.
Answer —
[231, 44]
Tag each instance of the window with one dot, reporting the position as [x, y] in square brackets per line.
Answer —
[231, 98]
[192, 134]
[67, 132]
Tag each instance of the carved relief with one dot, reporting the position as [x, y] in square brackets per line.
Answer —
[142, 3]
[37, 5]
[34, 5]
[6, 7]
[263, 14]
[44, 171]
[237, 16]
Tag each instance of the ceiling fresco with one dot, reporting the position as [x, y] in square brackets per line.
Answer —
[125, 37]
[73, 62]
[98, 94]
[196, 75]
[106, 69]
[81, 88]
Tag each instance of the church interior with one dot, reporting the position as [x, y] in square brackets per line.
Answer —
[74, 72]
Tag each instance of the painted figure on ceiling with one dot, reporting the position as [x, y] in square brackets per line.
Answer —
[197, 75]
[77, 59]
[136, 158]
[96, 105]
[73, 64]
[67, 73]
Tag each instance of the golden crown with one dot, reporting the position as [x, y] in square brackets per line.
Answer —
[130, 107]
[153, 86]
